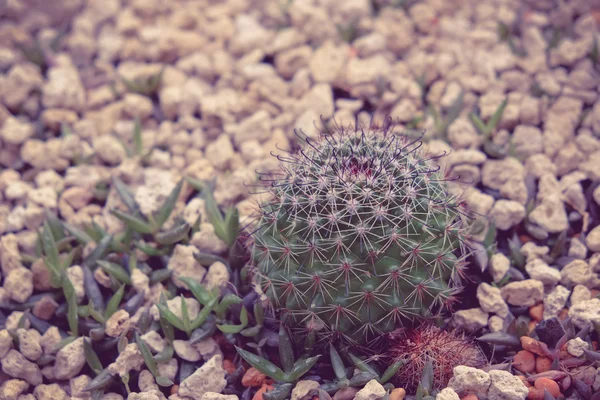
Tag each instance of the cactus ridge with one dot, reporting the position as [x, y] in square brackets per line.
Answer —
[359, 235]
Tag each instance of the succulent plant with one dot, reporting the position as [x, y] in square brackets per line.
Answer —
[359, 235]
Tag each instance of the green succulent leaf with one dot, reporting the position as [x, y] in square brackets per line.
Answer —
[167, 327]
[135, 223]
[92, 358]
[118, 272]
[71, 297]
[337, 363]
[232, 225]
[286, 350]
[500, 338]
[391, 371]
[236, 328]
[362, 365]
[165, 355]
[146, 355]
[101, 380]
[301, 367]
[225, 303]
[168, 206]
[100, 251]
[264, 366]
[200, 293]
[164, 381]
[125, 195]
[279, 392]
[174, 235]
[493, 122]
[185, 316]
[170, 316]
[114, 302]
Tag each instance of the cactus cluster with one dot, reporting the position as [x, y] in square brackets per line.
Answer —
[359, 235]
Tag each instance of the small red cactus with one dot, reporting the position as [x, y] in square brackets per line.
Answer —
[446, 349]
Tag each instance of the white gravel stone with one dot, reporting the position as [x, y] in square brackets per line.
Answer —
[506, 386]
[469, 380]
[576, 347]
[186, 350]
[210, 377]
[118, 323]
[578, 272]
[523, 293]
[540, 270]
[129, 359]
[577, 249]
[592, 239]
[15, 365]
[550, 214]
[555, 301]
[472, 319]
[19, 284]
[499, 266]
[69, 360]
[585, 312]
[447, 394]
[371, 391]
[580, 293]
[29, 343]
[491, 301]
[183, 264]
[507, 213]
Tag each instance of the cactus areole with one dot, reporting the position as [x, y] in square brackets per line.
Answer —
[359, 236]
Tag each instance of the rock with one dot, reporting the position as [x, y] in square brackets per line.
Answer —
[185, 350]
[495, 173]
[576, 346]
[217, 276]
[499, 266]
[29, 343]
[490, 300]
[447, 394]
[470, 380]
[524, 361]
[218, 396]
[109, 149]
[524, 293]
[577, 249]
[10, 257]
[541, 271]
[580, 293]
[183, 264]
[371, 391]
[550, 214]
[64, 89]
[257, 126]
[585, 312]
[253, 378]
[69, 360]
[15, 131]
[220, 152]
[19, 284]
[472, 319]
[6, 342]
[592, 239]
[15, 365]
[11, 389]
[50, 392]
[507, 213]
[154, 341]
[50, 340]
[302, 388]
[137, 106]
[555, 301]
[210, 377]
[129, 359]
[578, 272]
[531, 251]
[118, 323]
[505, 386]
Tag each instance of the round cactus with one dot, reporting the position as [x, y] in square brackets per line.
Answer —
[359, 235]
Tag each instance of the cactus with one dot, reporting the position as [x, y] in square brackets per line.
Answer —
[359, 235]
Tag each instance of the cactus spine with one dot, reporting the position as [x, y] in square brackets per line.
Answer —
[359, 235]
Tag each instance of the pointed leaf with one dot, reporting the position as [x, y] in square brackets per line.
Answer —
[165, 355]
[427, 377]
[168, 206]
[301, 367]
[493, 122]
[167, 328]
[214, 214]
[170, 316]
[264, 366]
[49, 245]
[174, 235]
[114, 302]
[92, 358]
[185, 316]
[391, 371]
[100, 381]
[137, 136]
[478, 123]
[232, 225]
[134, 223]
[199, 291]
[500, 338]
[160, 275]
[286, 351]
[236, 328]
[71, 297]
[164, 381]
[362, 365]
[118, 272]
[337, 363]
[100, 251]
[146, 355]
[92, 290]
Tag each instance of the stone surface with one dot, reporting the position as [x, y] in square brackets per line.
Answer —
[505, 386]
[468, 380]
[523, 293]
[210, 377]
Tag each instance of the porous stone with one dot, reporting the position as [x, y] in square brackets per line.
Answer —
[472, 319]
[524, 293]
[469, 380]
[491, 301]
[210, 377]
[506, 386]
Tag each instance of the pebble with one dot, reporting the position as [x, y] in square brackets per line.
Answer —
[69, 360]
[447, 394]
[470, 380]
[507, 213]
[539, 270]
[490, 300]
[524, 293]
[499, 266]
[592, 239]
[576, 346]
[505, 386]
[371, 391]
[578, 272]
[472, 319]
[555, 301]
[210, 377]
[118, 323]
[14, 364]
[585, 312]
[524, 361]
